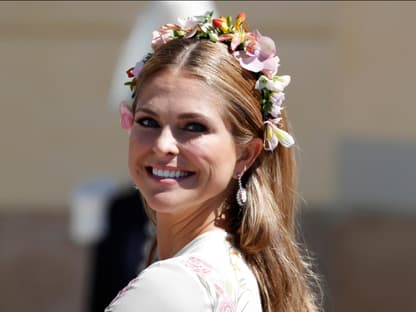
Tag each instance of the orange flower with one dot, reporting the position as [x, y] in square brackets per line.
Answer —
[239, 21]
[220, 23]
[241, 17]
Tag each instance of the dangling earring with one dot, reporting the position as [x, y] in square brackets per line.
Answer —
[241, 193]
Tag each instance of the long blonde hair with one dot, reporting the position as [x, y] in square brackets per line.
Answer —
[265, 231]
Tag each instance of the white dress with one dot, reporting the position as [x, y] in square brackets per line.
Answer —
[208, 274]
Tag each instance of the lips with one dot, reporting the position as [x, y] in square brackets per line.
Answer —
[168, 173]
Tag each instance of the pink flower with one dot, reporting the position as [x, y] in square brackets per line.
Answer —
[270, 66]
[275, 111]
[226, 305]
[276, 99]
[161, 37]
[219, 288]
[236, 39]
[259, 55]
[197, 265]
[189, 25]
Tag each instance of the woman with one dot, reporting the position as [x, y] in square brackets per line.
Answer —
[209, 152]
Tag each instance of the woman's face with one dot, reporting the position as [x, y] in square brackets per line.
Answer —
[181, 152]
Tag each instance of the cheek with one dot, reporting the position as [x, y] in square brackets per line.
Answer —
[137, 146]
[132, 156]
[139, 141]
[216, 155]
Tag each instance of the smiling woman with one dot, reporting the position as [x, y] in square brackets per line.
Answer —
[177, 133]
[208, 150]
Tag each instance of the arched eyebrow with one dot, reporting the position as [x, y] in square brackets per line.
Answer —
[190, 115]
[145, 110]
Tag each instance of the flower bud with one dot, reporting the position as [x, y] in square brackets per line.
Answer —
[221, 24]
[241, 17]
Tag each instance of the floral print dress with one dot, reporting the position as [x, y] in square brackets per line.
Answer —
[208, 274]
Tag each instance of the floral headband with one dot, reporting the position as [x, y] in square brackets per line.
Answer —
[255, 53]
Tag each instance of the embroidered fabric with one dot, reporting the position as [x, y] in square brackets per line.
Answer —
[208, 274]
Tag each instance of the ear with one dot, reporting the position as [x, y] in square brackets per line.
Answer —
[126, 116]
[247, 155]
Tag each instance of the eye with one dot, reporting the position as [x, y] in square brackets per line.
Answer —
[147, 122]
[195, 127]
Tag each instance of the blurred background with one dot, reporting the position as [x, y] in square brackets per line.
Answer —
[64, 156]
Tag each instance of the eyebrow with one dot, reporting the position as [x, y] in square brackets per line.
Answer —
[181, 116]
[145, 110]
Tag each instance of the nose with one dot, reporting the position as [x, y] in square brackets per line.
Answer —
[166, 143]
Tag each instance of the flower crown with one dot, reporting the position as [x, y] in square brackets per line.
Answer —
[255, 52]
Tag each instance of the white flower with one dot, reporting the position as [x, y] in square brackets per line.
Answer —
[276, 84]
[189, 25]
[273, 135]
[285, 79]
[275, 111]
[270, 140]
[277, 98]
[284, 138]
[261, 82]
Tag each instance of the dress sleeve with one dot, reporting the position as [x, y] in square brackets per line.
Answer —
[164, 286]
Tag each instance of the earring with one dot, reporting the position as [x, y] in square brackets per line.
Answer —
[241, 193]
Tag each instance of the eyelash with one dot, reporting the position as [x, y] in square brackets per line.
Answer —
[201, 127]
[142, 121]
[188, 127]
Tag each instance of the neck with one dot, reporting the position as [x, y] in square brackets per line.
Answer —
[174, 233]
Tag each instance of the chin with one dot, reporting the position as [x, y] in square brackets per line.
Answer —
[162, 204]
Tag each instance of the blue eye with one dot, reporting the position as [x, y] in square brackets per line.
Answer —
[147, 122]
[195, 127]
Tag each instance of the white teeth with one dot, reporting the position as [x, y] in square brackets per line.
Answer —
[169, 173]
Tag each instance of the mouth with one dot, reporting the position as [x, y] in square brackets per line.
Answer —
[174, 174]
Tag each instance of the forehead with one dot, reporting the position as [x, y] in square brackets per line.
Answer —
[182, 91]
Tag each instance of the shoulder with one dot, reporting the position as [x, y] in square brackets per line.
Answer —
[166, 285]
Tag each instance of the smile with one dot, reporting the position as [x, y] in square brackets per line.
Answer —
[168, 173]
